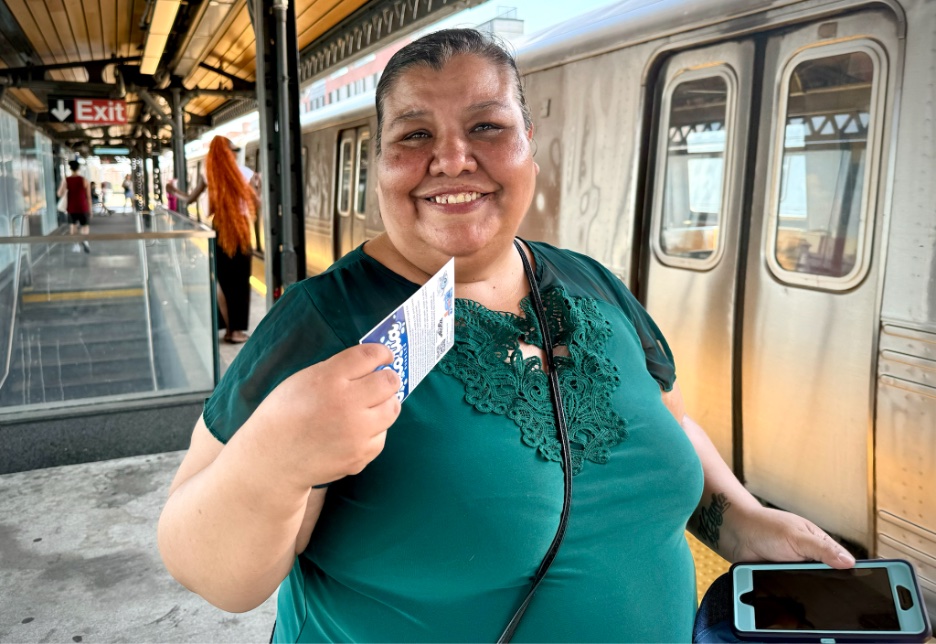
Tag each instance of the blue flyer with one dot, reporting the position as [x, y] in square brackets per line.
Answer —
[421, 330]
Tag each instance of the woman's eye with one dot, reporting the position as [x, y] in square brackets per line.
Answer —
[485, 127]
[413, 136]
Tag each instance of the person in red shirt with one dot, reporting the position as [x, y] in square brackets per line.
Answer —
[79, 203]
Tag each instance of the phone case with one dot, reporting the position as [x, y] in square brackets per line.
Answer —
[805, 636]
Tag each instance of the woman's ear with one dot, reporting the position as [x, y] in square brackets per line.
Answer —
[532, 141]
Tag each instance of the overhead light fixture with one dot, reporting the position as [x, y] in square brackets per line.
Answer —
[110, 151]
[164, 15]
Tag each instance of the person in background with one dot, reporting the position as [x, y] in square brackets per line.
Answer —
[96, 202]
[106, 191]
[426, 520]
[127, 186]
[172, 197]
[232, 205]
[78, 192]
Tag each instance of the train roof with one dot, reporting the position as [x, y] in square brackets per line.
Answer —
[350, 109]
[627, 23]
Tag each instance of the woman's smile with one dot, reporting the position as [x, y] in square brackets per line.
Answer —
[455, 198]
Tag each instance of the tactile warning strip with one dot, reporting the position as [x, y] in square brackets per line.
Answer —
[709, 566]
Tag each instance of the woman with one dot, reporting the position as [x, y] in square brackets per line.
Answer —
[434, 516]
[127, 186]
[79, 203]
[232, 203]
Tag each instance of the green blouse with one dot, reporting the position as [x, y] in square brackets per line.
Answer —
[438, 538]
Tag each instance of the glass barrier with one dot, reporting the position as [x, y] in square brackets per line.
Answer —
[107, 317]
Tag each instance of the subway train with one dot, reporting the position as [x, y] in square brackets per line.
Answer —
[762, 174]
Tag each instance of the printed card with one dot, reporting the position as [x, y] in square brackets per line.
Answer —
[421, 330]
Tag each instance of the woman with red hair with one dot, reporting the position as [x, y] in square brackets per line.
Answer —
[232, 205]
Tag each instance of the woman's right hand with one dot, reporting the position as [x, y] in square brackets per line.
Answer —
[330, 420]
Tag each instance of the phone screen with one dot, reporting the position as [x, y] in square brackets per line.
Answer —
[859, 599]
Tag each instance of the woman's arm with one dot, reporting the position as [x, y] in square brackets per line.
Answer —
[256, 184]
[734, 524]
[212, 497]
[189, 197]
[238, 514]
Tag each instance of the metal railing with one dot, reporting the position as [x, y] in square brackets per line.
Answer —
[132, 318]
[14, 309]
[138, 222]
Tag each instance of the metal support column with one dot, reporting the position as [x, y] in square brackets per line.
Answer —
[142, 197]
[178, 141]
[157, 179]
[136, 180]
[281, 144]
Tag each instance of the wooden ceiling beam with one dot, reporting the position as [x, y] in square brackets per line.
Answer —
[94, 69]
[236, 81]
[19, 50]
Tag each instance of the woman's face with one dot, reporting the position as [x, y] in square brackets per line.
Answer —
[456, 173]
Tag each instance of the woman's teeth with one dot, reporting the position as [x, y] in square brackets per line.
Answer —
[461, 197]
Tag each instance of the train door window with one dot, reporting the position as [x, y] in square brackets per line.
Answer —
[693, 153]
[360, 191]
[346, 165]
[820, 230]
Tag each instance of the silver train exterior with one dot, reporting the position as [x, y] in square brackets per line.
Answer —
[763, 175]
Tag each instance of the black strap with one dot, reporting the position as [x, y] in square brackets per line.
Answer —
[559, 412]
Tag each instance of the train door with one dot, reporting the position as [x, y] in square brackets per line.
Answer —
[351, 192]
[811, 294]
[703, 120]
[764, 260]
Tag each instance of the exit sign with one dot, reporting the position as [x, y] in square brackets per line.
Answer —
[89, 111]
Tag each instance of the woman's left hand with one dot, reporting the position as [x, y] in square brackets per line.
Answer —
[774, 535]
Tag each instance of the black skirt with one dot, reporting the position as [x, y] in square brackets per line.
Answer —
[234, 280]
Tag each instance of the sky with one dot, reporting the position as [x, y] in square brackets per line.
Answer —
[536, 14]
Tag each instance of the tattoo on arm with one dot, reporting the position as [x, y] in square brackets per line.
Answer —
[711, 518]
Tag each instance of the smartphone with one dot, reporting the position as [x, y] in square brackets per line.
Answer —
[877, 600]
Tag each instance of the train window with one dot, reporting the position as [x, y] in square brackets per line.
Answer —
[693, 154]
[344, 177]
[820, 227]
[360, 194]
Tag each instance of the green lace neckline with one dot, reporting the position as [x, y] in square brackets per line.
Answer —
[498, 379]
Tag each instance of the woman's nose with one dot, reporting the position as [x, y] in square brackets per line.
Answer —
[452, 155]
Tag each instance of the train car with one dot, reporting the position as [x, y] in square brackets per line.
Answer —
[760, 173]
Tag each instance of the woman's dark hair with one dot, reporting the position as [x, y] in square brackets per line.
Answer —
[437, 49]
[74, 165]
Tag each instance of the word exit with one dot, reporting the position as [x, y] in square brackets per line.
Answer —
[99, 111]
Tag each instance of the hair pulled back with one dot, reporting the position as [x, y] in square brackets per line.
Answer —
[438, 48]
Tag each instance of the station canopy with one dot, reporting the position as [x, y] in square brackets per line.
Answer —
[104, 73]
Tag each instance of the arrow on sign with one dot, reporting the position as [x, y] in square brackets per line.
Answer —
[61, 112]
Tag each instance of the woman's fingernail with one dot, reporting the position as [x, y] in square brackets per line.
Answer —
[845, 557]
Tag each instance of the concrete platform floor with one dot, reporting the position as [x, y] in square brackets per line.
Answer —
[79, 563]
